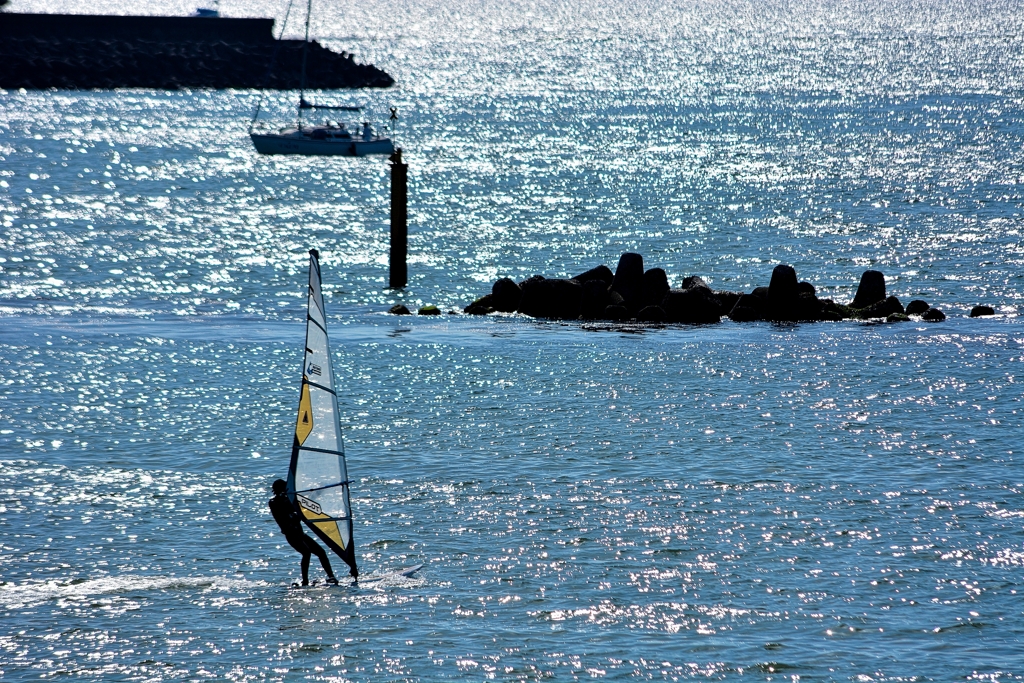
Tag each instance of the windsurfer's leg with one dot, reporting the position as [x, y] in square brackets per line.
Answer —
[301, 544]
[315, 548]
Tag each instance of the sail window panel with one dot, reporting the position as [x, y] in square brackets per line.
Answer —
[331, 501]
[314, 284]
[316, 338]
[316, 470]
[326, 433]
[315, 309]
[316, 316]
[318, 362]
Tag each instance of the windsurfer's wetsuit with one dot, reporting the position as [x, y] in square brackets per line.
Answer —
[291, 526]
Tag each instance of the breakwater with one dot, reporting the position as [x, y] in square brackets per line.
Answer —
[632, 293]
[40, 51]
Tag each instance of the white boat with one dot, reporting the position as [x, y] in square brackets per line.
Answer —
[327, 139]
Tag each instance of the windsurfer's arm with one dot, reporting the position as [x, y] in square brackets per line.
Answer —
[285, 515]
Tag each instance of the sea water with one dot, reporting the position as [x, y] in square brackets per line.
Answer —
[834, 501]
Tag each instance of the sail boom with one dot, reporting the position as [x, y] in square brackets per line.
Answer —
[321, 488]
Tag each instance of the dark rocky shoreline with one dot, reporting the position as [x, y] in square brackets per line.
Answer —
[646, 296]
[76, 52]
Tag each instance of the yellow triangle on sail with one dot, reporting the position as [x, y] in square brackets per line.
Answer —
[329, 527]
[305, 423]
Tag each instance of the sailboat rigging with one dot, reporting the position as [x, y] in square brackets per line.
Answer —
[332, 138]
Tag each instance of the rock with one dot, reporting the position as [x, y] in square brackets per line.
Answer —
[750, 308]
[881, 309]
[506, 295]
[834, 312]
[399, 309]
[917, 307]
[532, 278]
[979, 311]
[481, 306]
[782, 294]
[808, 308]
[595, 298]
[531, 290]
[602, 273]
[695, 305]
[726, 300]
[694, 281]
[651, 314]
[555, 299]
[629, 280]
[430, 309]
[532, 302]
[615, 312]
[645, 296]
[655, 286]
[871, 289]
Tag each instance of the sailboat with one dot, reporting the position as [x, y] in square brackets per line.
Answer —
[332, 138]
[318, 483]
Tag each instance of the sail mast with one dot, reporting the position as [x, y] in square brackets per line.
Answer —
[273, 59]
[305, 47]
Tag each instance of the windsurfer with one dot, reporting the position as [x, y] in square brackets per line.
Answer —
[291, 526]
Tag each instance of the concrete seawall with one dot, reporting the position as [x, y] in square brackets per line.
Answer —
[39, 51]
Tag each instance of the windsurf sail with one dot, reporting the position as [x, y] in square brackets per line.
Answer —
[317, 476]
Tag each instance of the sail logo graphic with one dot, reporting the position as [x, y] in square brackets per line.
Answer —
[310, 505]
[313, 369]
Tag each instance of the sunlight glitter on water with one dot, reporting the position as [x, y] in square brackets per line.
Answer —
[752, 542]
[810, 501]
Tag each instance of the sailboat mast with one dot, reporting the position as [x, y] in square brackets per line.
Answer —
[305, 47]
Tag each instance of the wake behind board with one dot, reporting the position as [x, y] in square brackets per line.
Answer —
[405, 573]
[397, 574]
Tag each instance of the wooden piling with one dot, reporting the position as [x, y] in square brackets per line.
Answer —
[399, 215]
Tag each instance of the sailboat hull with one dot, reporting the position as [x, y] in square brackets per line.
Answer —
[270, 143]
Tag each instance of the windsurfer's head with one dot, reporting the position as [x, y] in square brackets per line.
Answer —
[279, 486]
